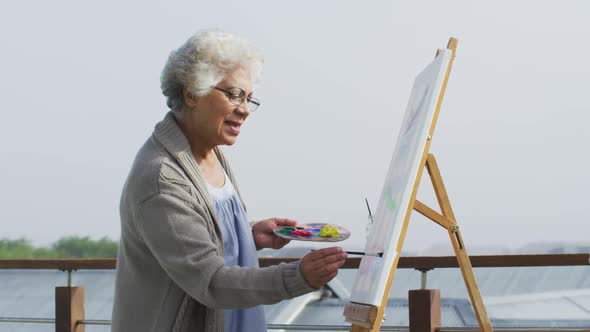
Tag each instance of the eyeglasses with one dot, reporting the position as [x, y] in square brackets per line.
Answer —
[238, 96]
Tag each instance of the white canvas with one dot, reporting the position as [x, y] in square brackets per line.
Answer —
[385, 234]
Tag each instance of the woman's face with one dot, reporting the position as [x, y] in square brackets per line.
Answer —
[213, 117]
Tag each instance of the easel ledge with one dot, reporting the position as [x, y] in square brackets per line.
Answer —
[362, 316]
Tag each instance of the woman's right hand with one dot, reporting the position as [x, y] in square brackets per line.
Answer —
[320, 266]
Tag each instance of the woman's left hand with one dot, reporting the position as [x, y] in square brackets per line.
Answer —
[264, 236]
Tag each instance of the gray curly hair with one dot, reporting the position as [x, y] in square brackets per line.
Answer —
[203, 61]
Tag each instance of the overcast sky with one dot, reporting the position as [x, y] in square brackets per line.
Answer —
[79, 94]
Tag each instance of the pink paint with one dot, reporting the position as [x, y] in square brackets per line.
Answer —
[301, 233]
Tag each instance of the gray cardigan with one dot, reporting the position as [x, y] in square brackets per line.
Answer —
[170, 268]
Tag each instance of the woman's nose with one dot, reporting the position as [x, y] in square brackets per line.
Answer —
[244, 108]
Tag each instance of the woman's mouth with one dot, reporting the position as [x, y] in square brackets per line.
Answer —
[233, 126]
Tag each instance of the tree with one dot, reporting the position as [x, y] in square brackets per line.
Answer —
[68, 247]
[84, 247]
[20, 248]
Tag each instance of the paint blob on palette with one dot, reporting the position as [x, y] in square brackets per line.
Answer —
[317, 232]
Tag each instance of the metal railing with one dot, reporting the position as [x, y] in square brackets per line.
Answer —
[27, 320]
[310, 327]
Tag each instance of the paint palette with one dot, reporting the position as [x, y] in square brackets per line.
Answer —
[317, 232]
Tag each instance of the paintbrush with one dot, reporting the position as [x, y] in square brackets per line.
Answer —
[358, 253]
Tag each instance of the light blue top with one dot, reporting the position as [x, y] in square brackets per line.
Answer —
[239, 249]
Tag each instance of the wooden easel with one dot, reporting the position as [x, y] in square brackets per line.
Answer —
[365, 317]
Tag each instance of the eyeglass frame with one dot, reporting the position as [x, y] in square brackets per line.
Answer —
[241, 98]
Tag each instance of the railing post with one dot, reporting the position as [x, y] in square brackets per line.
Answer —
[69, 308]
[424, 306]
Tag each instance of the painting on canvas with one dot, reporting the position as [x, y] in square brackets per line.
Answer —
[385, 233]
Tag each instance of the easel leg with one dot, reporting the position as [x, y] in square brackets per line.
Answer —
[470, 281]
[458, 245]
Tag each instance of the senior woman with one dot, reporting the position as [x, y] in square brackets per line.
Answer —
[187, 256]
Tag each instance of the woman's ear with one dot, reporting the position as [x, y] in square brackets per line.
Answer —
[189, 100]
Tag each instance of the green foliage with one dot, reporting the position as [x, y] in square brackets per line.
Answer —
[20, 248]
[67, 247]
[84, 247]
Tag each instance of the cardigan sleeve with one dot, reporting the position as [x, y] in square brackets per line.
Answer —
[177, 235]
